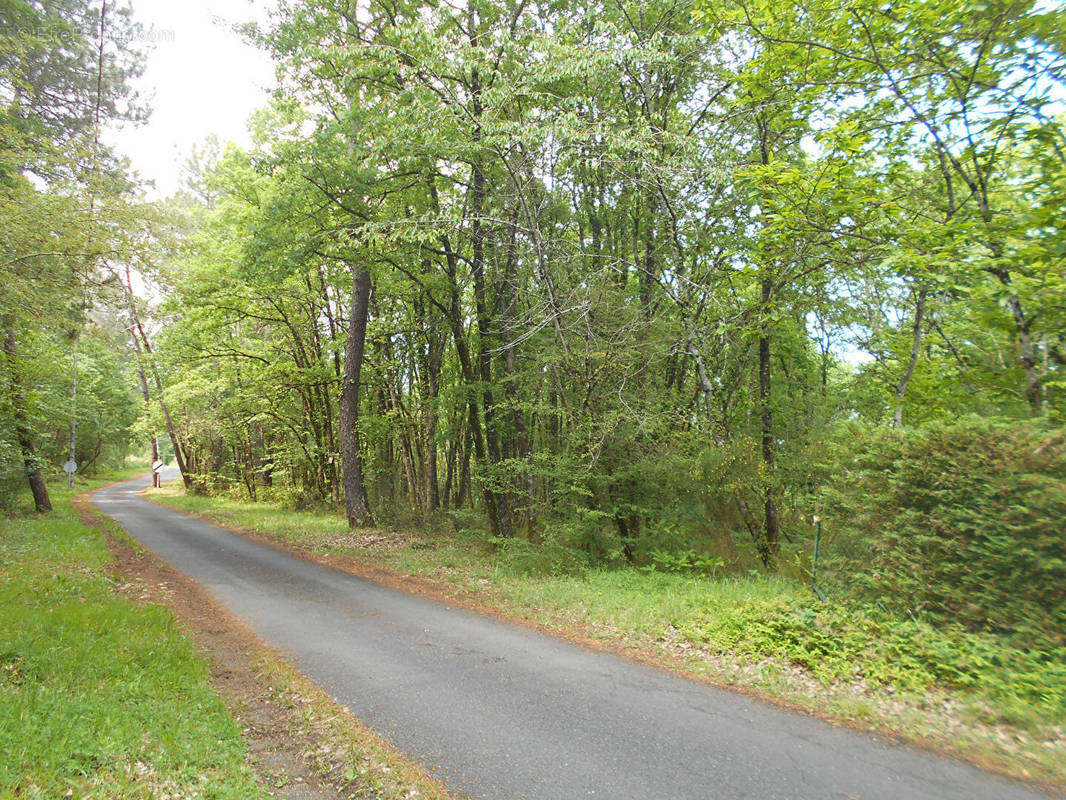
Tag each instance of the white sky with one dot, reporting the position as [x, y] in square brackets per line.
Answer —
[201, 78]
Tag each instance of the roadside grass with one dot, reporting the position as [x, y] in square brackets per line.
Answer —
[100, 697]
[970, 692]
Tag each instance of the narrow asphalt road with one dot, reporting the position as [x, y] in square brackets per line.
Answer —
[504, 712]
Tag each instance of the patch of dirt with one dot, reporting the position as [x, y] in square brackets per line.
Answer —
[289, 758]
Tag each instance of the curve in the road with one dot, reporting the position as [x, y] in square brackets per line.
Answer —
[505, 712]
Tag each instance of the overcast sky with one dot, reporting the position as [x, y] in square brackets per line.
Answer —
[201, 78]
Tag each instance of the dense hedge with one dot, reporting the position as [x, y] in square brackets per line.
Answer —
[961, 522]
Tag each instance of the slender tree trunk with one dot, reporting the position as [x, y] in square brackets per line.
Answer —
[264, 465]
[484, 328]
[321, 393]
[455, 315]
[139, 331]
[772, 524]
[386, 485]
[431, 391]
[912, 362]
[404, 427]
[707, 389]
[72, 449]
[450, 469]
[179, 453]
[649, 269]
[407, 460]
[455, 322]
[429, 466]
[463, 496]
[41, 500]
[147, 404]
[521, 446]
[1027, 355]
[357, 505]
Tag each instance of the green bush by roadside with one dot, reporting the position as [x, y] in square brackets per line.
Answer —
[845, 642]
[959, 523]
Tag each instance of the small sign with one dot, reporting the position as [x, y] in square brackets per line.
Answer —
[70, 467]
[157, 465]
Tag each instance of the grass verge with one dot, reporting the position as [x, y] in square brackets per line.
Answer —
[100, 697]
[965, 693]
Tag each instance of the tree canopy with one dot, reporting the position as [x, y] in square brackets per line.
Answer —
[621, 276]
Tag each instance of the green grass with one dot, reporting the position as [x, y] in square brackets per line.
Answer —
[762, 632]
[100, 697]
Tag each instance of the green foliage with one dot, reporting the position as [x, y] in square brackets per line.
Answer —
[686, 562]
[53, 85]
[960, 522]
[845, 642]
[100, 697]
[66, 218]
[627, 264]
[556, 555]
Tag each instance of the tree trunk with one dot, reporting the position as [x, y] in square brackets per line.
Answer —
[72, 449]
[450, 467]
[912, 362]
[430, 480]
[1027, 355]
[455, 322]
[431, 364]
[178, 454]
[464, 492]
[41, 500]
[485, 335]
[147, 403]
[403, 425]
[707, 389]
[520, 446]
[386, 486]
[772, 524]
[356, 503]
[264, 464]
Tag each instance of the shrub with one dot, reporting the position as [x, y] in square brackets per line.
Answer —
[845, 641]
[960, 522]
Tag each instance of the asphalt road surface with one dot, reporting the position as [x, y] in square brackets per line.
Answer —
[504, 712]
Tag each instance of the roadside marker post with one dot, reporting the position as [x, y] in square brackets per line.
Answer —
[70, 468]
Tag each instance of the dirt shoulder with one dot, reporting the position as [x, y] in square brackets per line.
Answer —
[302, 745]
